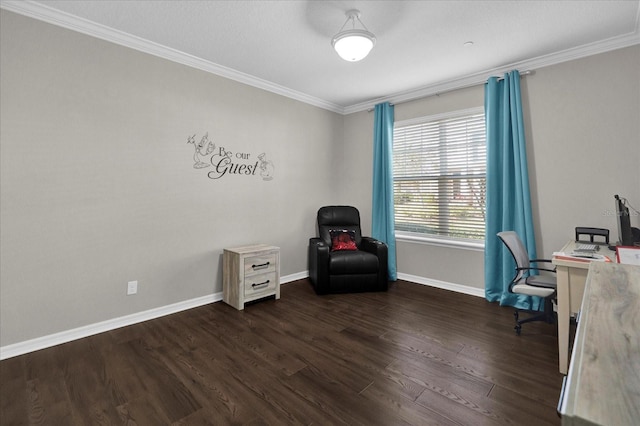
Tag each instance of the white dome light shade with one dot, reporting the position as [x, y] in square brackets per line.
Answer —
[353, 45]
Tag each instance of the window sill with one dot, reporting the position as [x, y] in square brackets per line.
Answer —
[440, 242]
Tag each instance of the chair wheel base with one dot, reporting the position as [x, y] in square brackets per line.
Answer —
[518, 329]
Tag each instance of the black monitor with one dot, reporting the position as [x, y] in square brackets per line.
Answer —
[625, 234]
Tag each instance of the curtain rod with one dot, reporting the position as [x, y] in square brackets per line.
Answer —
[464, 86]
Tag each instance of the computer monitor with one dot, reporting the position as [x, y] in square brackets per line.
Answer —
[625, 234]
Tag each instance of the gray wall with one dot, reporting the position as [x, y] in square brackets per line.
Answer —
[98, 185]
[584, 131]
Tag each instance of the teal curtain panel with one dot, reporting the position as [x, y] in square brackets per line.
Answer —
[382, 227]
[508, 196]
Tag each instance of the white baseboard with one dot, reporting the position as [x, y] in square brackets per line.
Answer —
[21, 348]
[294, 277]
[458, 288]
[36, 344]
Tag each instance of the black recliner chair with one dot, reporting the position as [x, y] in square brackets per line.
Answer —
[341, 260]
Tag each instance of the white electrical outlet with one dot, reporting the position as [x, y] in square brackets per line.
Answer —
[132, 287]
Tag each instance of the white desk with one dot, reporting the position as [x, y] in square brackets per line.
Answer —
[603, 385]
[571, 277]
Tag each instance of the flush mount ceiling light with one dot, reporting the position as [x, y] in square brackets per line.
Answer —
[353, 44]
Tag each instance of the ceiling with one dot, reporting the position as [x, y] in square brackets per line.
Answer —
[285, 46]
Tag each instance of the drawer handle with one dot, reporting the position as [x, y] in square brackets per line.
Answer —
[261, 266]
[254, 285]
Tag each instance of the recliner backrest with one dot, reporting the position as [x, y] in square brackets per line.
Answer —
[336, 218]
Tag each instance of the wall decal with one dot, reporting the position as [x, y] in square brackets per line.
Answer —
[224, 162]
[266, 167]
[199, 164]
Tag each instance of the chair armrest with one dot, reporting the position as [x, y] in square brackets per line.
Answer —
[372, 245]
[380, 249]
[540, 260]
[533, 268]
[317, 241]
[319, 264]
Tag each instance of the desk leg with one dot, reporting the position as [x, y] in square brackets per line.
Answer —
[564, 307]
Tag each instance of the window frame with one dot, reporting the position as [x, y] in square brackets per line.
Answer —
[436, 240]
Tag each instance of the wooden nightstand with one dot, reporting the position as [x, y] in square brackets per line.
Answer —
[250, 273]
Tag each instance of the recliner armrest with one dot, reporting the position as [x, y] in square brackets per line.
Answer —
[317, 241]
[372, 245]
[380, 249]
[318, 263]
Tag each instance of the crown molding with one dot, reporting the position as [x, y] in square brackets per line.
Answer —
[47, 14]
[52, 16]
[531, 65]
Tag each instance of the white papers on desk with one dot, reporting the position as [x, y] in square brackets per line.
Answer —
[581, 257]
[628, 255]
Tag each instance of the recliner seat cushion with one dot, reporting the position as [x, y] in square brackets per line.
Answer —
[352, 262]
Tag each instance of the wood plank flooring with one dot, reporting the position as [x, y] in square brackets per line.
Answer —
[414, 355]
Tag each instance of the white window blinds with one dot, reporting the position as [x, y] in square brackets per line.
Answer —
[439, 169]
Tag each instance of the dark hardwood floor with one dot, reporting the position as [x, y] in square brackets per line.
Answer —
[414, 355]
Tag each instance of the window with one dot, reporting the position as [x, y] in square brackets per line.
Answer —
[440, 175]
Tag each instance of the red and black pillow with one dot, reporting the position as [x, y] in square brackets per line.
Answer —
[343, 239]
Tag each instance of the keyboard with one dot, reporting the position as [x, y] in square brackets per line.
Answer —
[587, 247]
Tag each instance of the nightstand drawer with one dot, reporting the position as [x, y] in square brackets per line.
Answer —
[258, 284]
[260, 264]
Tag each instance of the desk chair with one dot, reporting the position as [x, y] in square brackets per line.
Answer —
[592, 232]
[532, 285]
